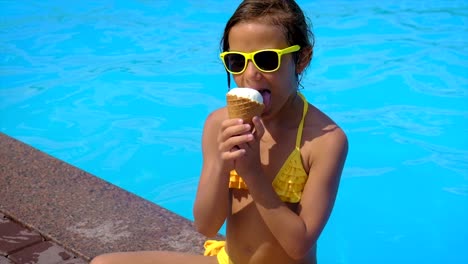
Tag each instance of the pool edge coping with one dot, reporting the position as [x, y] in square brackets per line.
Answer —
[82, 212]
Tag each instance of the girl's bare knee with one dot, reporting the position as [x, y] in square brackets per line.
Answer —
[102, 259]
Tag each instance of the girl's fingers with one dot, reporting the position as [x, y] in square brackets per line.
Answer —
[231, 122]
[235, 153]
[233, 138]
[234, 130]
[231, 142]
[231, 128]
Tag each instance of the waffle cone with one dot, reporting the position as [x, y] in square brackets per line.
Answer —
[244, 108]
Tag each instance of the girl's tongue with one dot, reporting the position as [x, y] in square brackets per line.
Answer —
[266, 94]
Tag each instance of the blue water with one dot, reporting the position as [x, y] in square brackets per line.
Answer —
[121, 89]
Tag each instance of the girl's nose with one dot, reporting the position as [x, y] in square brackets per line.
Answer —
[251, 71]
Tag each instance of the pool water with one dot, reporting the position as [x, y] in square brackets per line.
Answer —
[121, 89]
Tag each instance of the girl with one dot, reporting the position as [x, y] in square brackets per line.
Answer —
[274, 183]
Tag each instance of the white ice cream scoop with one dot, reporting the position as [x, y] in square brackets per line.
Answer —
[247, 93]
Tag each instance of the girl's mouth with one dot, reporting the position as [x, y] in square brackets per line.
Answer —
[266, 94]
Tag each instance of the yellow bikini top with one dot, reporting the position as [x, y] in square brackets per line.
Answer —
[290, 180]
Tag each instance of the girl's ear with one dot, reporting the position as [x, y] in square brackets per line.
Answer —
[304, 59]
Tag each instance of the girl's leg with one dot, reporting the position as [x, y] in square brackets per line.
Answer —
[152, 257]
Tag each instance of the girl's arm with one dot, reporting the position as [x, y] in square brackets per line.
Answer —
[212, 203]
[212, 200]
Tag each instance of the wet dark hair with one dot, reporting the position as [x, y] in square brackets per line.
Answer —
[283, 13]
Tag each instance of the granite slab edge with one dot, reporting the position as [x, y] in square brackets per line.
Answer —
[81, 212]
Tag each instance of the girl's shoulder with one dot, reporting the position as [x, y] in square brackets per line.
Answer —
[217, 115]
[215, 118]
[317, 121]
[320, 131]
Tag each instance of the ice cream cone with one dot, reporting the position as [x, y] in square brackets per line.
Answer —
[244, 103]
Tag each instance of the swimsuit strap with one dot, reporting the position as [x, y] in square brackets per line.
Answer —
[301, 125]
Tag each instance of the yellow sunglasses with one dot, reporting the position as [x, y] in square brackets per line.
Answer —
[266, 60]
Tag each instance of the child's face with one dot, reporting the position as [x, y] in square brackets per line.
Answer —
[253, 36]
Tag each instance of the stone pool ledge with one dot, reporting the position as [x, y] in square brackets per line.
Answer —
[80, 212]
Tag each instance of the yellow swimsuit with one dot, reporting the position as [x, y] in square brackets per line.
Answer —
[290, 180]
[288, 184]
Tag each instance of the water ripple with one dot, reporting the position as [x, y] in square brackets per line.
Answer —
[431, 121]
[354, 172]
[454, 159]
[175, 192]
[463, 190]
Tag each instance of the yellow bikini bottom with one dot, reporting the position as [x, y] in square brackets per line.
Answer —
[217, 248]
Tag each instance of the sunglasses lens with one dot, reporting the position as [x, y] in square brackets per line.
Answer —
[267, 60]
[234, 62]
